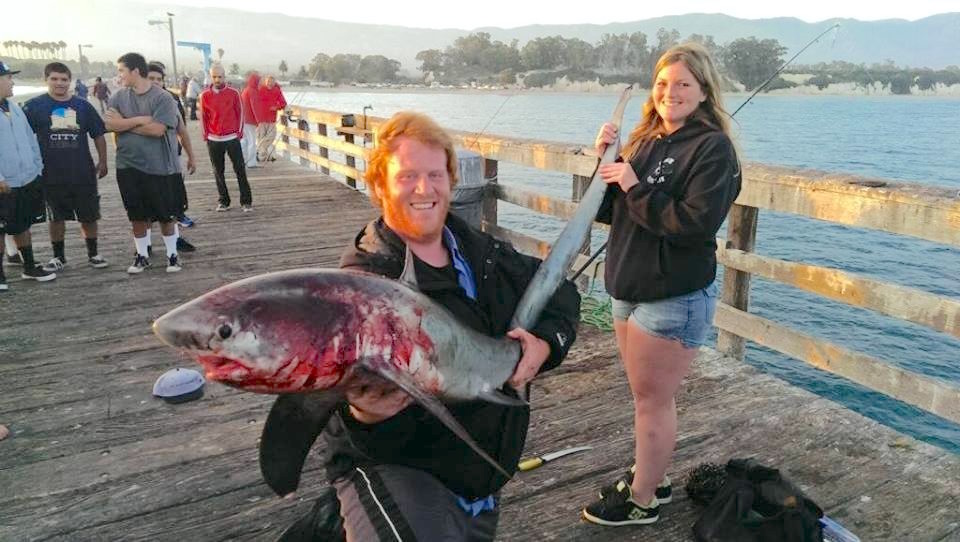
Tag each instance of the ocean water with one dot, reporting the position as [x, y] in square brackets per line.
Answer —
[910, 139]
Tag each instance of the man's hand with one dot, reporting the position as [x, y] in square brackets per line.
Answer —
[191, 166]
[101, 169]
[4, 188]
[373, 404]
[535, 352]
[112, 115]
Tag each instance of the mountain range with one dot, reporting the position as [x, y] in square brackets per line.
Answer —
[257, 40]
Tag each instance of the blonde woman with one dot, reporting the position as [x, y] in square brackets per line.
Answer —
[666, 198]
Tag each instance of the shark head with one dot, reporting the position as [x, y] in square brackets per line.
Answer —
[294, 331]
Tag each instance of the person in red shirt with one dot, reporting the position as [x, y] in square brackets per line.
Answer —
[249, 96]
[271, 101]
[222, 116]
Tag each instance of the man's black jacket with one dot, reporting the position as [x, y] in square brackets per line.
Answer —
[414, 437]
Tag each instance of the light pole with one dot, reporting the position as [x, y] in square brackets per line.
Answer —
[173, 49]
[80, 56]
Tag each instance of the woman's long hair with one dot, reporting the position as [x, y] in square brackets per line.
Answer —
[710, 111]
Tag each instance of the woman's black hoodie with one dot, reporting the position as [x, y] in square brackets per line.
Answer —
[663, 230]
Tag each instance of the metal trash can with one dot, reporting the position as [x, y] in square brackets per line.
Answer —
[467, 198]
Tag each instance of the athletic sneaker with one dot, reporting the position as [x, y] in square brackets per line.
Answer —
[246, 208]
[173, 264]
[3, 282]
[185, 246]
[221, 208]
[15, 259]
[55, 264]
[38, 273]
[664, 491]
[185, 221]
[619, 508]
[97, 261]
[139, 264]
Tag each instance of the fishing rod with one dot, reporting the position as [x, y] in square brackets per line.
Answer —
[745, 102]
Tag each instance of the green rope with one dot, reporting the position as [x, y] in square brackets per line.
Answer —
[595, 308]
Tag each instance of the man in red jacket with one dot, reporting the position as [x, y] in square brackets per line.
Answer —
[222, 116]
[271, 101]
[249, 97]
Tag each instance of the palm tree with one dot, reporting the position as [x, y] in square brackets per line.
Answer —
[219, 54]
[282, 68]
[63, 48]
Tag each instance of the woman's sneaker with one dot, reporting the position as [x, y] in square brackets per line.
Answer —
[3, 282]
[619, 508]
[664, 491]
[97, 262]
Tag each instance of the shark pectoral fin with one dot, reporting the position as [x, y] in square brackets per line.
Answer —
[500, 398]
[434, 406]
[293, 425]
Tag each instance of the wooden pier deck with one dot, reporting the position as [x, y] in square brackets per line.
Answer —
[93, 456]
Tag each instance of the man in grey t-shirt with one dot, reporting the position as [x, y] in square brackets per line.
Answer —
[144, 119]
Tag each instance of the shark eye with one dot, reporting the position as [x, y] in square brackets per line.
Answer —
[224, 331]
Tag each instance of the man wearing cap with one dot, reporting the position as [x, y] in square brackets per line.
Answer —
[20, 169]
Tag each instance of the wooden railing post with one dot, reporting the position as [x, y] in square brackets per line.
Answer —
[490, 172]
[304, 126]
[351, 161]
[742, 235]
[283, 135]
[324, 152]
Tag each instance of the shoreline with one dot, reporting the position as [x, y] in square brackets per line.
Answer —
[588, 87]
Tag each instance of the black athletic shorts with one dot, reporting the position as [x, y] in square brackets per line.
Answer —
[22, 208]
[146, 197]
[80, 202]
[178, 191]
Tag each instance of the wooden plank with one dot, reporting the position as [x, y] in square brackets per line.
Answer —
[351, 163]
[327, 142]
[742, 233]
[934, 311]
[918, 210]
[928, 393]
[491, 177]
[323, 162]
[537, 248]
[324, 152]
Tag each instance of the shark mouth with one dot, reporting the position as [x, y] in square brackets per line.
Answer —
[223, 369]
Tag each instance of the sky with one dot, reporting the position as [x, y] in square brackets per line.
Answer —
[513, 13]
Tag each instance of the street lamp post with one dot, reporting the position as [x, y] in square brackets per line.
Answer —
[80, 56]
[173, 49]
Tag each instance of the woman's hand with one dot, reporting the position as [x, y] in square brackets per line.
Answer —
[606, 136]
[373, 404]
[619, 173]
[535, 352]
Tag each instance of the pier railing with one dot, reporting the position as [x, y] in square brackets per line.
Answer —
[924, 212]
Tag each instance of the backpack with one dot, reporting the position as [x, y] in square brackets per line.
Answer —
[757, 504]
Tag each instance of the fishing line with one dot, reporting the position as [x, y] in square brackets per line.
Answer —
[745, 102]
[487, 125]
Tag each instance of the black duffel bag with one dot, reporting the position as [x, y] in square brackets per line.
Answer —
[757, 504]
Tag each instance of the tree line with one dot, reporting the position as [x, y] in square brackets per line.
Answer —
[34, 49]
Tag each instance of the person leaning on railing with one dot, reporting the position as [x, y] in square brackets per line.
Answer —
[667, 195]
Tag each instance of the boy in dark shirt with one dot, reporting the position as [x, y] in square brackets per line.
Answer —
[62, 123]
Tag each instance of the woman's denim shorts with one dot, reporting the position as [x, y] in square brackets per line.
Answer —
[686, 318]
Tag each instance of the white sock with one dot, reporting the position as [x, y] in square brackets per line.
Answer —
[11, 246]
[142, 243]
[170, 241]
[176, 230]
[149, 237]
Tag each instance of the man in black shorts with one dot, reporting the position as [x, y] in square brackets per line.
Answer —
[21, 199]
[144, 117]
[62, 123]
[156, 73]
